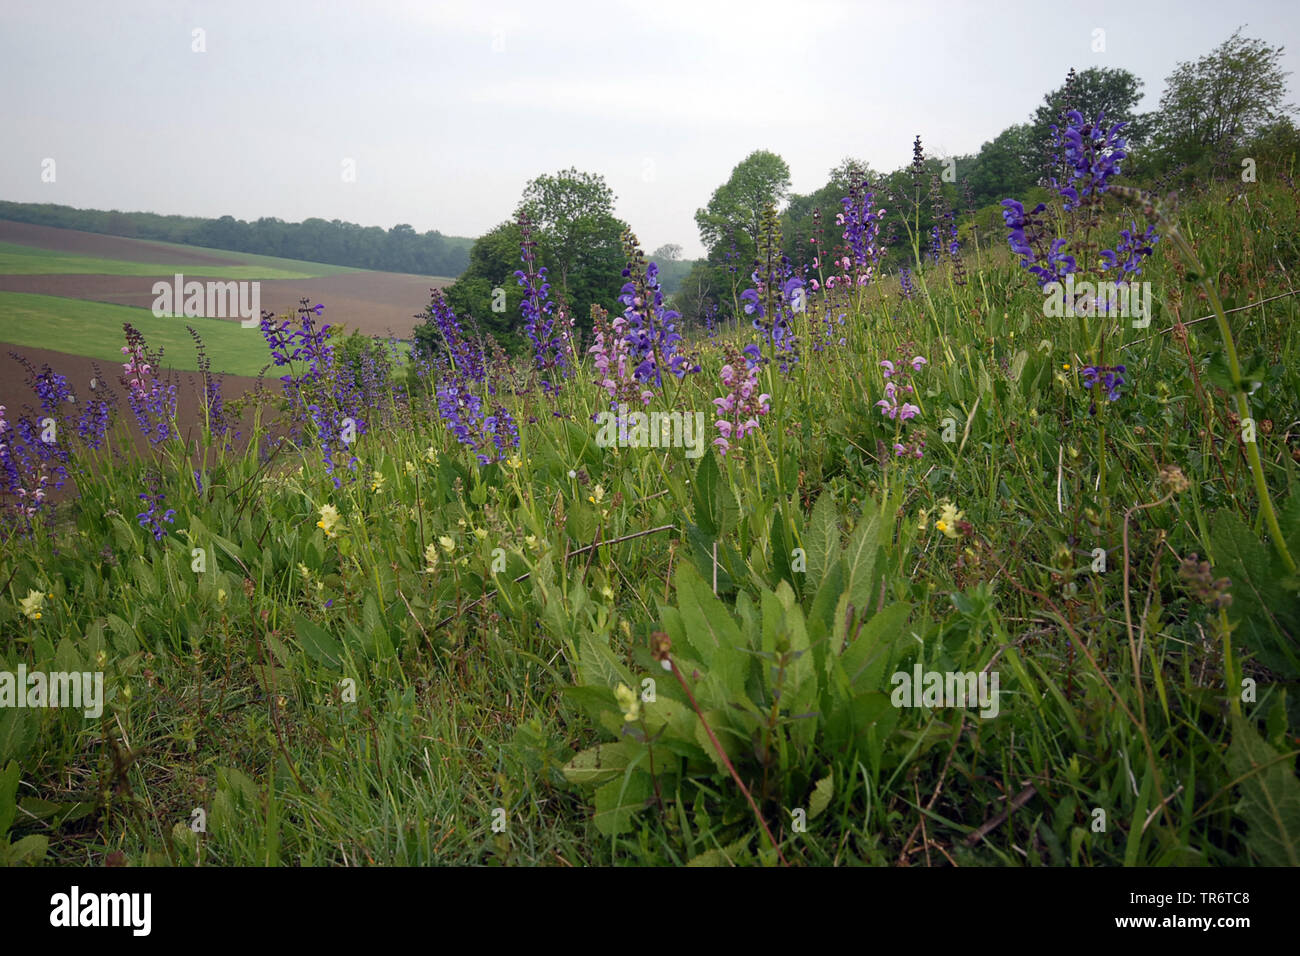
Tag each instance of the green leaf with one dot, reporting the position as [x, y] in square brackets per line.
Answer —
[821, 796]
[598, 667]
[735, 854]
[860, 561]
[711, 631]
[821, 539]
[28, 851]
[864, 659]
[780, 549]
[317, 643]
[8, 788]
[716, 510]
[58, 813]
[597, 764]
[1267, 612]
[1270, 796]
[618, 800]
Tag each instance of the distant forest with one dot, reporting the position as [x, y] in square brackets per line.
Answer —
[400, 249]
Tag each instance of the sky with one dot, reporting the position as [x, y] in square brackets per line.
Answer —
[437, 114]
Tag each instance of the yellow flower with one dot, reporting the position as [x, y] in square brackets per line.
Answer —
[329, 520]
[480, 533]
[410, 467]
[531, 541]
[221, 595]
[447, 543]
[32, 605]
[628, 702]
[514, 462]
[599, 496]
[948, 518]
[377, 482]
[922, 519]
[430, 455]
[430, 558]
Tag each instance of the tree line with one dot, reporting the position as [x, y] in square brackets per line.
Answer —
[399, 249]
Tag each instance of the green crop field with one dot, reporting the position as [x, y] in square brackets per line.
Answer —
[94, 329]
[28, 260]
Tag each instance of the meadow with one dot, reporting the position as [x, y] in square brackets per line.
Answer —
[440, 622]
[94, 329]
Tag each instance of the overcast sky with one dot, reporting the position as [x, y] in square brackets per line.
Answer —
[448, 108]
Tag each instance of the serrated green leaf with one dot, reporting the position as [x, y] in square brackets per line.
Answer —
[860, 561]
[821, 538]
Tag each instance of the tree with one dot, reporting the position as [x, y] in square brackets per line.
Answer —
[736, 207]
[492, 263]
[1222, 99]
[668, 252]
[594, 272]
[569, 211]
[1005, 167]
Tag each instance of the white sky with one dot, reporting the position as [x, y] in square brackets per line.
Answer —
[449, 108]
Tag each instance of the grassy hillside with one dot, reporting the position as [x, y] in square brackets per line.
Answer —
[479, 633]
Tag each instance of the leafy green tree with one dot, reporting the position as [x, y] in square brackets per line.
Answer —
[492, 264]
[736, 207]
[1221, 100]
[1005, 167]
[570, 211]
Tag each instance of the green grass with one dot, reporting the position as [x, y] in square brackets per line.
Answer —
[427, 680]
[94, 329]
[28, 260]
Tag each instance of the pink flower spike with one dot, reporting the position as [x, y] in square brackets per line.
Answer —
[917, 362]
[908, 411]
[888, 366]
[899, 448]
